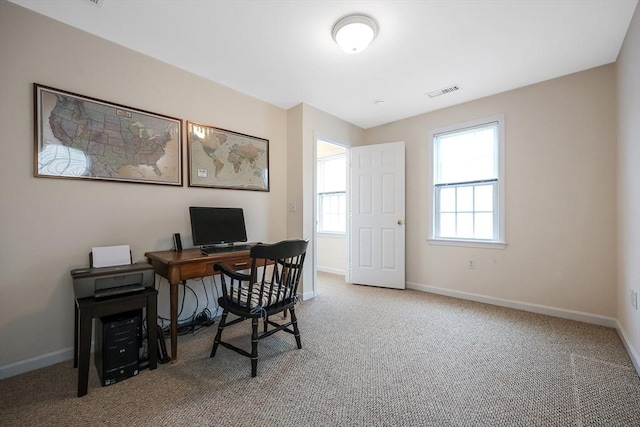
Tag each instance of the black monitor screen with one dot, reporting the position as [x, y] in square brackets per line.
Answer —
[217, 226]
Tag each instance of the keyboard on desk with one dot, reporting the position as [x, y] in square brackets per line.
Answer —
[211, 250]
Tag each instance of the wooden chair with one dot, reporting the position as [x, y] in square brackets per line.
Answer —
[270, 288]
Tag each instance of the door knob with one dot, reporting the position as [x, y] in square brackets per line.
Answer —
[400, 222]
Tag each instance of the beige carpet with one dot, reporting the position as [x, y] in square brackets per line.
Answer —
[370, 357]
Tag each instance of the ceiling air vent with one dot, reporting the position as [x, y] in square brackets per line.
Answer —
[443, 91]
[96, 2]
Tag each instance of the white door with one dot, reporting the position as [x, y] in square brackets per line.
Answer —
[376, 236]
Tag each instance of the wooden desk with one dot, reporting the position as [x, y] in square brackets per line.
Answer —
[87, 309]
[178, 266]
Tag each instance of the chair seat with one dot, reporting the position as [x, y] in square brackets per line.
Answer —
[261, 295]
[259, 312]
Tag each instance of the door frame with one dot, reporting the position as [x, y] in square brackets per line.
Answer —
[347, 147]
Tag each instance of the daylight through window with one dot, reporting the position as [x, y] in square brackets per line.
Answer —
[467, 182]
[332, 202]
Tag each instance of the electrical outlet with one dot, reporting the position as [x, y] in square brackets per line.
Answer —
[472, 264]
[634, 299]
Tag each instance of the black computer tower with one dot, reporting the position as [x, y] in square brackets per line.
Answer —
[117, 346]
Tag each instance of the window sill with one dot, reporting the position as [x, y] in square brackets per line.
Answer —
[335, 235]
[468, 243]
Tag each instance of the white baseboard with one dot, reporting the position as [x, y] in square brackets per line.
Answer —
[595, 319]
[633, 354]
[331, 270]
[308, 295]
[24, 366]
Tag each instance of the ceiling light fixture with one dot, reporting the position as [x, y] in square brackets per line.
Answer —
[353, 33]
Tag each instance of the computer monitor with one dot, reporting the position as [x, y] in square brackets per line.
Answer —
[211, 226]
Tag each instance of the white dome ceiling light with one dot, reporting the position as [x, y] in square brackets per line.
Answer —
[353, 33]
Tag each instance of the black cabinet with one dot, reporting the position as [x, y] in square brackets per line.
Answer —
[117, 346]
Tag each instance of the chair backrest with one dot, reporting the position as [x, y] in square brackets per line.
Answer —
[282, 269]
[276, 270]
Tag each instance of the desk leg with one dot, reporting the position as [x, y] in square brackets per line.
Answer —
[86, 317]
[173, 296]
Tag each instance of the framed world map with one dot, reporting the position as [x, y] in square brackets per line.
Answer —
[220, 158]
[86, 138]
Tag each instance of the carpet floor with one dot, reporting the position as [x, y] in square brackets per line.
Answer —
[370, 357]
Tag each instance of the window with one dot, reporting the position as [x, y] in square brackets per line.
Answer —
[468, 183]
[332, 200]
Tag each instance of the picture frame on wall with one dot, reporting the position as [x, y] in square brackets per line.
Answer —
[79, 137]
[220, 158]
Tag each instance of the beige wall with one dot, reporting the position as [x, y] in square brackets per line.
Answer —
[560, 197]
[332, 253]
[294, 171]
[628, 67]
[48, 226]
[316, 124]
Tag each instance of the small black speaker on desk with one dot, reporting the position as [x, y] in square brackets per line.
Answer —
[177, 242]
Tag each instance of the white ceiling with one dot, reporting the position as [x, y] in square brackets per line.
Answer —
[282, 52]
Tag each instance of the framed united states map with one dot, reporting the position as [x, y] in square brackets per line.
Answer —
[220, 158]
[86, 138]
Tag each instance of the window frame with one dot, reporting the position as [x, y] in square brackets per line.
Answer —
[320, 194]
[499, 241]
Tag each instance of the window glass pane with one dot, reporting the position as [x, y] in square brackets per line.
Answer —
[465, 199]
[465, 225]
[483, 199]
[484, 226]
[332, 203]
[334, 176]
[447, 225]
[467, 155]
[331, 222]
[320, 176]
[448, 199]
[332, 216]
